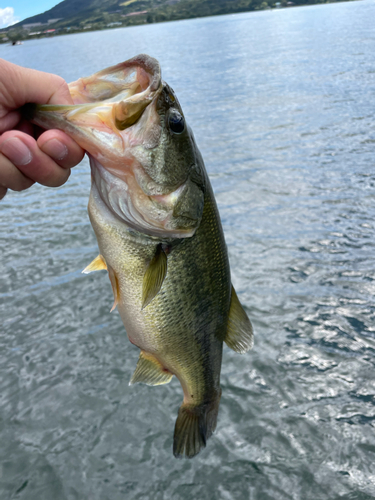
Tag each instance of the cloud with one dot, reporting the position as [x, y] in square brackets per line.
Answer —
[7, 17]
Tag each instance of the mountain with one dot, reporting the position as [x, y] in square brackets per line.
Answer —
[78, 15]
[70, 9]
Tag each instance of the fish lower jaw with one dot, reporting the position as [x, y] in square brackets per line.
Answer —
[137, 211]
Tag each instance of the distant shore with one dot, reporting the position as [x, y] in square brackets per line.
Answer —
[15, 35]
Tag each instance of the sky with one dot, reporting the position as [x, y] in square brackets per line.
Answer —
[12, 11]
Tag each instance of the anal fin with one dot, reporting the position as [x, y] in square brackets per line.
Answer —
[97, 264]
[150, 371]
[154, 276]
[239, 335]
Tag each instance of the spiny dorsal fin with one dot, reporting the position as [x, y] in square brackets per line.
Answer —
[150, 371]
[154, 276]
[239, 335]
[115, 287]
[96, 265]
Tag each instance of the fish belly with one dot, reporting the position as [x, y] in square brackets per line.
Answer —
[185, 323]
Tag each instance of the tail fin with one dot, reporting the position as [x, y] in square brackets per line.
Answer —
[194, 425]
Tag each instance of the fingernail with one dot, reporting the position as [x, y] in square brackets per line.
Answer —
[55, 149]
[16, 151]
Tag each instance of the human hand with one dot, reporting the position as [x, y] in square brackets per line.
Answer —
[25, 156]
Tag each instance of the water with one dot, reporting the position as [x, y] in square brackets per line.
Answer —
[282, 106]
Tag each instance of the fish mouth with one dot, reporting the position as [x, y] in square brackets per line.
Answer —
[106, 104]
[115, 119]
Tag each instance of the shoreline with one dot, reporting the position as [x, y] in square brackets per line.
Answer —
[75, 30]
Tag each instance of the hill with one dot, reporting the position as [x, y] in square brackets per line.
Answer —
[77, 15]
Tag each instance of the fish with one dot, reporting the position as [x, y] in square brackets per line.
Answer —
[159, 233]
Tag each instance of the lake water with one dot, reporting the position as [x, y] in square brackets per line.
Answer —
[282, 105]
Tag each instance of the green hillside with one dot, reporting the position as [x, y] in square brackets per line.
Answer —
[78, 15]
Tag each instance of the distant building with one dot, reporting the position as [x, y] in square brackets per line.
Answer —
[27, 26]
[135, 13]
[31, 25]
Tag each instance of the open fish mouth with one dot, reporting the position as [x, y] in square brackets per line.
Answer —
[116, 118]
[105, 104]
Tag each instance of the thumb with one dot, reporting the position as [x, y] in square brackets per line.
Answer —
[20, 85]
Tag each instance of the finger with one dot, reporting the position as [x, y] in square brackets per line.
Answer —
[61, 148]
[9, 121]
[22, 85]
[26, 127]
[23, 152]
[11, 177]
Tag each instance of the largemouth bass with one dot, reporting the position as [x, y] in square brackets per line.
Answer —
[159, 235]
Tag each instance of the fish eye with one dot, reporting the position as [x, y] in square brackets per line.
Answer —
[176, 122]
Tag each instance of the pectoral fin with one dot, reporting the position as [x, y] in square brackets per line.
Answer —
[154, 276]
[150, 371]
[239, 335]
[96, 265]
[115, 287]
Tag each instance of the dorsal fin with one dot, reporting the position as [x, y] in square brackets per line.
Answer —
[239, 335]
[150, 371]
[154, 276]
[96, 265]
